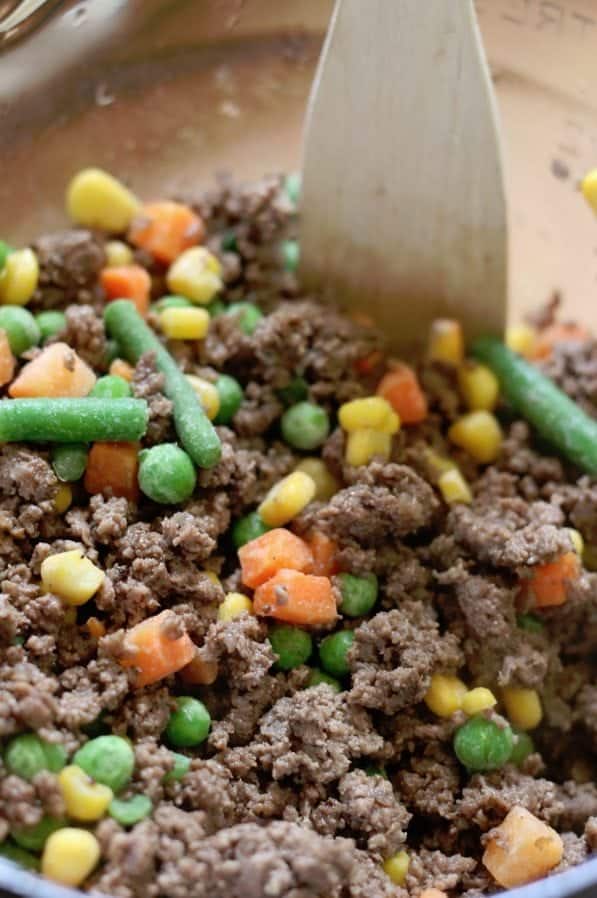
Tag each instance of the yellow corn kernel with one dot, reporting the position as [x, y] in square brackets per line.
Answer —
[326, 485]
[206, 391]
[118, 253]
[70, 855]
[589, 189]
[184, 323]
[445, 694]
[372, 412]
[213, 577]
[97, 200]
[454, 488]
[446, 342]
[523, 707]
[71, 576]
[120, 368]
[363, 445]
[95, 627]
[480, 434]
[521, 338]
[85, 800]
[18, 278]
[286, 499]
[234, 605]
[63, 498]
[438, 462]
[576, 539]
[479, 386]
[477, 700]
[396, 867]
[196, 274]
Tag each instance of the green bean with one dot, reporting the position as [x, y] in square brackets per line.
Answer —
[534, 396]
[72, 420]
[195, 430]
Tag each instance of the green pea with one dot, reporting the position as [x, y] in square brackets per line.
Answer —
[19, 856]
[317, 677]
[189, 724]
[216, 307]
[483, 745]
[33, 838]
[359, 594]
[292, 186]
[69, 461]
[295, 391]
[129, 811]
[231, 396]
[171, 302]
[50, 323]
[21, 328]
[107, 759]
[111, 386]
[248, 315]
[291, 254]
[292, 645]
[373, 770]
[228, 241]
[27, 754]
[181, 768]
[248, 528]
[530, 622]
[111, 352]
[305, 425]
[333, 652]
[522, 748]
[166, 474]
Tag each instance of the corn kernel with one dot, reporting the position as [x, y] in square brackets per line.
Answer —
[446, 342]
[445, 694]
[234, 605]
[70, 855]
[97, 200]
[523, 707]
[477, 700]
[370, 413]
[326, 484]
[363, 445]
[118, 253]
[95, 628]
[438, 462]
[63, 498]
[454, 487]
[206, 391]
[71, 576]
[213, 577]
[196, 274]
[479, 386]
[396, 867]
[589, 189]
[576, 539]
[480, 434]
[18, 279]
[85, 800]
[286, 499]
[184, 323]
[120, 368]
[521, 338]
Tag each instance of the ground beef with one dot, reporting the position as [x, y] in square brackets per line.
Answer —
[86, 334]
[69, 265]
[148, 384]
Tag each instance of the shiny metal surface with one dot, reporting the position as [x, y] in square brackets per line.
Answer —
[166, 92]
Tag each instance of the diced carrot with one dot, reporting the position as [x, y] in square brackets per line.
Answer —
[112, 470]
[557, 333]
[95, 627]
[521, 849]
[199, 672]
[261, 558]
[120, 368]
[324, 551]
[401, 388]
[296, 598]
[369, 363]
[547, 585]
[127, 282]
[166, 229]
[432, 893]
[150, 649]
[56, 371]
[7, 360]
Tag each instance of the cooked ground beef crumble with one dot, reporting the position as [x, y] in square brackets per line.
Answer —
[300, 791]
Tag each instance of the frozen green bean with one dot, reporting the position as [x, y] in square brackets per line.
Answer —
[72, 420]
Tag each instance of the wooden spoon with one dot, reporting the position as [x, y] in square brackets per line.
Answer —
[403, 212]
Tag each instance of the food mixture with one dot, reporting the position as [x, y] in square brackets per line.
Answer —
[280, 614]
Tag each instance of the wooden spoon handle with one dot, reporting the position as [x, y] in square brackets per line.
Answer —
[403, 204]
